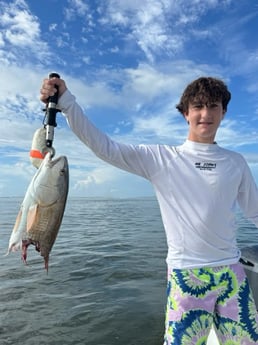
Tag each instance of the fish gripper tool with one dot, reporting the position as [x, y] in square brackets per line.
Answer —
[50, 117]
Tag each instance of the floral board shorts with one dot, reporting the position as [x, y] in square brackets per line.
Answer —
[198, 298]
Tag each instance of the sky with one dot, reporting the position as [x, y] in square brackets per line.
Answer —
[127, 62]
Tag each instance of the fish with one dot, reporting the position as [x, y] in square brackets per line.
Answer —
[42, 209]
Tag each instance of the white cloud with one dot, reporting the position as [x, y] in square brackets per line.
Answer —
[75, 8]
[20, 29]
[159, 27]
[236, 135]
[53, 27]
[1, 40]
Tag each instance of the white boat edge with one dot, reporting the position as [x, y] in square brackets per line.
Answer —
[212, 339]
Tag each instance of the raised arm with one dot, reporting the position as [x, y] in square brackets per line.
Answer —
[142, 160]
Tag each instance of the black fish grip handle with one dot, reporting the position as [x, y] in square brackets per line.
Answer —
[50, 118]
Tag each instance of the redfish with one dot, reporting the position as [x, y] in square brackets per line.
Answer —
[42, 209]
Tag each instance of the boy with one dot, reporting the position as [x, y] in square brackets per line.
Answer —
[197, 185]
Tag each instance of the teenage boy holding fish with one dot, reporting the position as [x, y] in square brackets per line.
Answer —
[197, 185]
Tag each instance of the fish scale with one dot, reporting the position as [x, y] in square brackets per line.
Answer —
[47, 219]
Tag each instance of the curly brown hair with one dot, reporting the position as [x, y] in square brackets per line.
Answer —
[204, 90]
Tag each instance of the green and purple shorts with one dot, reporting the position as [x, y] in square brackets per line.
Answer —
[198, 298]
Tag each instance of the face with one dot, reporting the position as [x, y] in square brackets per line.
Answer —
[204, 120]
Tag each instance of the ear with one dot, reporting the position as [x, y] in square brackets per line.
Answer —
[223, 114]
[186, 117]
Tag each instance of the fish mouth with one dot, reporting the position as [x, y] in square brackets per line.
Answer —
[61, 160]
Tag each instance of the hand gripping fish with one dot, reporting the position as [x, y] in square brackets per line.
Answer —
[42, 209]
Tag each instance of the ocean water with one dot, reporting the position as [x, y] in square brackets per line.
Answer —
[106, 283]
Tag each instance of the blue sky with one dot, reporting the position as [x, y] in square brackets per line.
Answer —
[127, 62]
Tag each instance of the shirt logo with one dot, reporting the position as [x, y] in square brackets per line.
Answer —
[205, 166]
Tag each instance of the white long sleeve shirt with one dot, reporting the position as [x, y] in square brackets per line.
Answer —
[197, 187]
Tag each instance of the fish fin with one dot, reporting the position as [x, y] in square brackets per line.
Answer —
[14, 248]
[15, 242]
[46, 260]
[17, 221]
[25, 245]
[32, 216]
